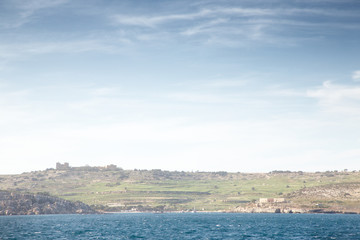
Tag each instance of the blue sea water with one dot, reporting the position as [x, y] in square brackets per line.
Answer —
[181, 226]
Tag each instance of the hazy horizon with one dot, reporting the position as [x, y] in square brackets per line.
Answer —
[201, 85]
[189, 171]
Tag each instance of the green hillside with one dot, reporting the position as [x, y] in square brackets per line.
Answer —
[117, 189]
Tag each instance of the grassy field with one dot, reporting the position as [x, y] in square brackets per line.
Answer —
[119, 189]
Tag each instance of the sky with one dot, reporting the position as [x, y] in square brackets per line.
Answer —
[190, 85]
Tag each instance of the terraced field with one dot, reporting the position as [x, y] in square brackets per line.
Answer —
[118, 190]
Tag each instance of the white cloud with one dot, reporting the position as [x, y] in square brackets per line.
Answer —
[356, 75]
[332, 93]
[338, 98]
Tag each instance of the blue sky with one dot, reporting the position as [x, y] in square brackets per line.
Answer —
[209, 85]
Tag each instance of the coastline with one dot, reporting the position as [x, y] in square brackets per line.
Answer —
[313, 211]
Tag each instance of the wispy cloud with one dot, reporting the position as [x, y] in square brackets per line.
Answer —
[15, 51]
[233, 25]
[74, 46]
[209, 13]
[203, 27]
[32, 6]
[25, 10]
[152, 21]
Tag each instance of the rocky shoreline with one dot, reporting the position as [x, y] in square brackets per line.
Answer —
[289, 209]
[12, 203]
[255, 211]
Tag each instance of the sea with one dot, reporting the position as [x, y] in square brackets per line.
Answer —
[182, 226]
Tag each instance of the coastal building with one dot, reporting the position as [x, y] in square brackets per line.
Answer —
[60, 166]
[272, 200]
[111, 167]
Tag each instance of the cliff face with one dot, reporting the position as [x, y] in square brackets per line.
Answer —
[12, 203]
